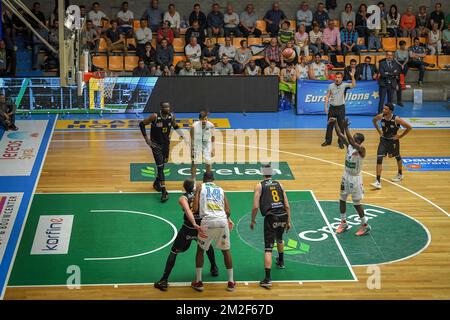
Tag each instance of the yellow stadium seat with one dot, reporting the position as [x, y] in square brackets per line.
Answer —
[254, 41]
[178, 45]
[136, 24]
[100, 62]
[406, 39]
[115, 63]
[443, 61]
[102, 45]
[433, 60]
[261, 25]
[177, 59]
[350, 57]
[220, 40]
[237, 42]
[131, 62]
[389, 44]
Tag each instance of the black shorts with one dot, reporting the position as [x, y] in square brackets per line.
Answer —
[183, 240]
[274, 227]
[389, 147]
[160, 153]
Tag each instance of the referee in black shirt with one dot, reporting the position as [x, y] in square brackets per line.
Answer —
[336, 98]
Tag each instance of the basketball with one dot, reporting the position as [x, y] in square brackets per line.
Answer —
[288, 54]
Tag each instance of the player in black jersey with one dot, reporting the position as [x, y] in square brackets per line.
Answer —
[389, 140]
[187, 233]
[271, 200]
[159, 142]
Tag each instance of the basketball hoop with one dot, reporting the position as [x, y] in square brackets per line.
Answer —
[106, 81]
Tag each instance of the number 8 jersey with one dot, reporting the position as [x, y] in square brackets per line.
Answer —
[212, 202]
[271, 201]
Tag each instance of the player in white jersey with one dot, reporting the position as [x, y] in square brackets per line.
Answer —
[352, 183]
[214, 210]
[202, 143]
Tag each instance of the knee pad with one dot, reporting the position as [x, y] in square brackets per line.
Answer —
[380, 159]
[398, 158]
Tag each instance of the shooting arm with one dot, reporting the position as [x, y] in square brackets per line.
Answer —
[339, 133]
[352, 142]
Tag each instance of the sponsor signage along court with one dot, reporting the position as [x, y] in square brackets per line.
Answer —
[427, 163]
[225, 171]
[52, 235]
[18, 149]
[429, 122]
[9, 206]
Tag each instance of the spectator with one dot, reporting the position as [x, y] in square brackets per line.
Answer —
[167, 71]
[316, 39]
[7, 115]
[348, 15]
[199, 16]
[382, 18]
[174, 19]
[90, 39]
[115, 40]
[302, 70]
[143, 36]
[301, 41]
[141, 70]
[210, 52]
[164, 53]
[215, 21]
[416, 55]
[38, 45]
[305, 16]
[11, 56]
[247, 24]
[288, 82]
[53, 35]
[361, 23]
[227, 49]
[165, 32]
[374, 40]
[401, 56]
[188, 70]
[321, 16]
[195, 31]
[193, 52]
[154, 16]
[148, 55]
[388, 81]
[205, 70]
[366, 71]
[393, 22]
[434, 40]
[408, 22]
[273, 53]
[285, 34]
[243, 57]
[53, 16]
[231, 22]
[3, 60]
[224, 67]
[332, 39]
[446, 40]
[19, 28]
[447, 20]
[36, 10]
[272, 69]
[252, 69]
[437, 16]
[422, 21]
[82, 11]
[125, 20]
[349, 70]
[97, 16]
[317, 69]
[273, 19]
[349, 39]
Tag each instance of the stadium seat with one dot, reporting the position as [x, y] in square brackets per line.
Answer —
[379, 58]
[339, 58]
[254, 41]
[423, 39]
[100, 62]
[257, 57]
[306, 58]
[261, 25]
[443, 61]
[136, 24]
[131, 42]
[389, 44]
[350, 57]
[407, 40]
[362, 45]
[177, 59]
[154, 42]
[220, 40]
[178, 45]
[293, 25]
[237, 42]
[337, 23]
[431, 59]
[102, 45]
[115, 63]
[131, 62]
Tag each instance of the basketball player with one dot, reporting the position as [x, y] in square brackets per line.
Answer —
[352, 183]
[202, 143]
[214, 209]
[389, 141]
[159, 142]
[271, 199]
[186, 234]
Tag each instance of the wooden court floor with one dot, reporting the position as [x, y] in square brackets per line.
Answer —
[100, 162]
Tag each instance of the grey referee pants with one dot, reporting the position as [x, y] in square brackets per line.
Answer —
[337, 112]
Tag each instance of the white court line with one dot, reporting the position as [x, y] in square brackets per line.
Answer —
[294, 154]
[175, 231]
[19, 239]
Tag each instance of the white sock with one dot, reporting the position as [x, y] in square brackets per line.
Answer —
[230, 275]
[198, 274]
[363, 220]
[343, 216]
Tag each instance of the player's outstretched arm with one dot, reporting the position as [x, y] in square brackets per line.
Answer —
[405, 125]
[375, 120]
[187, 211]
[338, 131]
[256, 198]
[352, 142]
[146, 122]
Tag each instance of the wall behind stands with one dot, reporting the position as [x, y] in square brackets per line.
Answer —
[184, 7]
[224, 94]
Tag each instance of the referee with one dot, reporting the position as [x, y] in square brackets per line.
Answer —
[336, 98]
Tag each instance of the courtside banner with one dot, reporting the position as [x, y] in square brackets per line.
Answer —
[363, 99]
[427, 163]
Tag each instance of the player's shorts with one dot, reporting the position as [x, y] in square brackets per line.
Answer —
[201, 150]
[184, 238]
[352, 185]
[389, 147]
[160, 153]
[216, 230]
[274, 227]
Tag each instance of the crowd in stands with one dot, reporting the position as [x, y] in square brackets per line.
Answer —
[302, 48]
